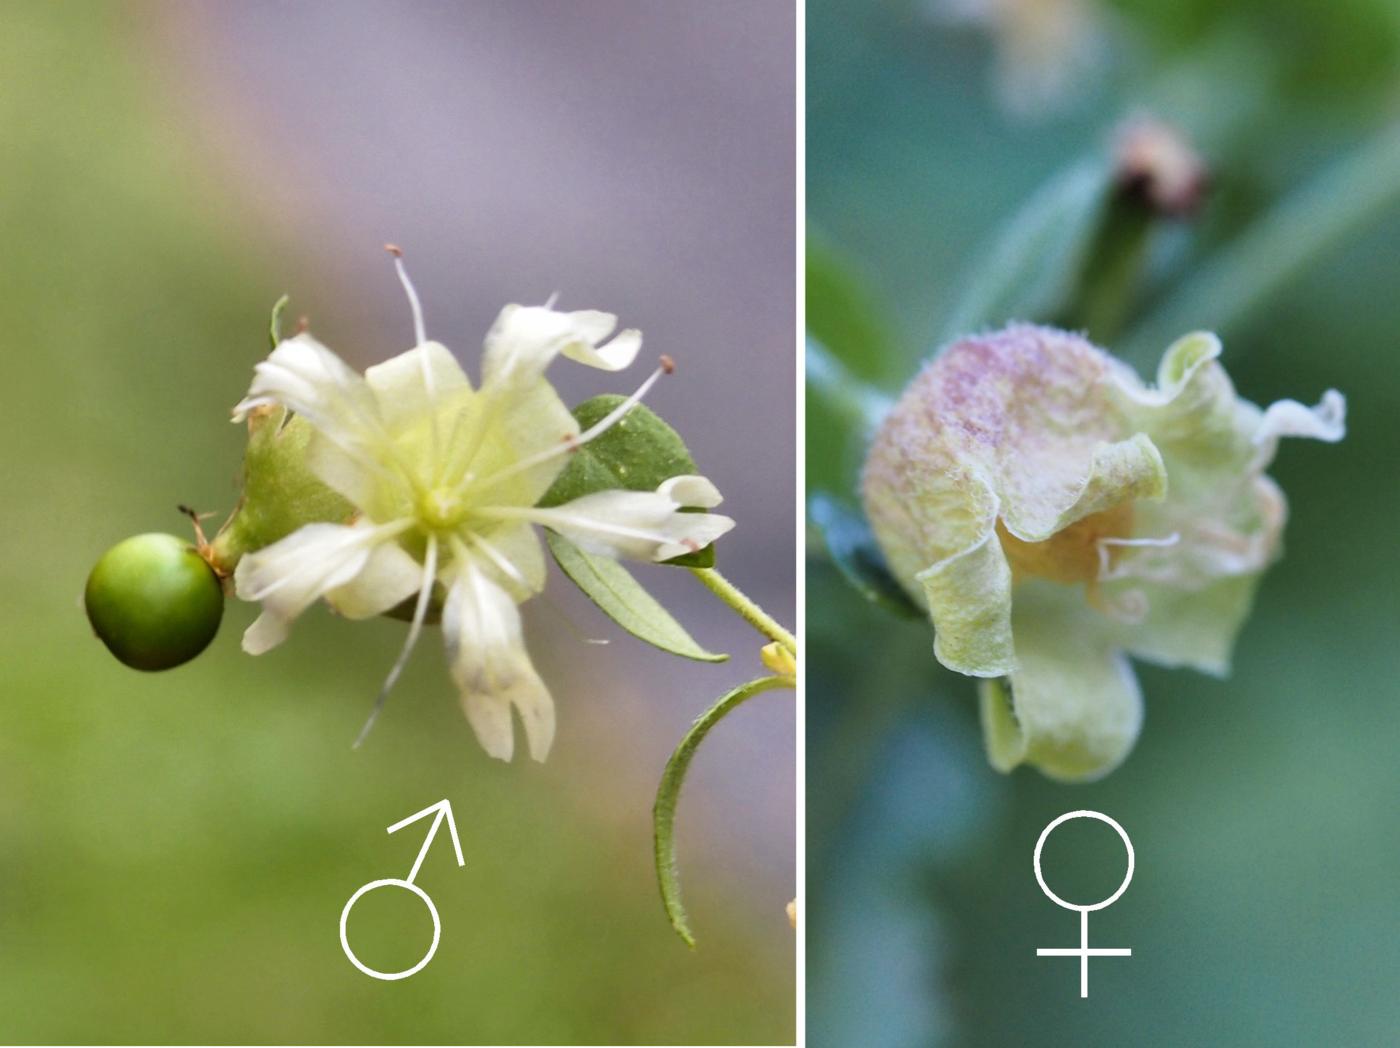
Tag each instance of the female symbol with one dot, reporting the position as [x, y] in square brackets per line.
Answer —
[1083, 952]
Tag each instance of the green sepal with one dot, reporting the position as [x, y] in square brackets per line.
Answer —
[857, 556]
[638, 453]
[611, 586]
[280, 494]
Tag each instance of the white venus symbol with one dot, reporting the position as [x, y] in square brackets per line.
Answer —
[1082, 951]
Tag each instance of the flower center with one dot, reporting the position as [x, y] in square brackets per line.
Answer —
[441, 509]
[1071, 555]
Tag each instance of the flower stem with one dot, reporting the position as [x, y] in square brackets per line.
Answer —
[747, 609]
[858, 404]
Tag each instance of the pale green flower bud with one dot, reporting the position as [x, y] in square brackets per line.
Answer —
[1054, 515]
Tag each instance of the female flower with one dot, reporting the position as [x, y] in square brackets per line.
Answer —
[444, 479]
[1053, 513]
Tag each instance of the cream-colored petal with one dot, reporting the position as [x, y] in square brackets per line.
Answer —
[643, 525]
[696, 492]
[969, 600]
[390, 576]
[532, 420]
[305, 376]
[515, 556]
[1124, 471]
[493, 672]
[1287, 418]
[1195, 628]
[525, 339]
[401, 385]
[1074, 709]
[288, 576]
[1026, 417]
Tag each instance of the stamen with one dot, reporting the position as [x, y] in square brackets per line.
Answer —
[549, 302]
[572, 444]
[420, 612]
[419, 332]
[499, 559]
[420, 336]
[1106, 571]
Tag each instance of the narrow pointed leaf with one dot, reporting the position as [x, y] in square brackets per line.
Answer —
[668, 795]
[622, 598]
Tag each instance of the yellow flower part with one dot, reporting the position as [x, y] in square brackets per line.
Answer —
[778, 659]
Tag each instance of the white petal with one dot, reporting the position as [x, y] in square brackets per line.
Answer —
[524, 339]
[493, 672]
[516, 558]
[692, 491]
[288, 576]
[389, 578]
[401, 389]
[591, 350]
[266, 632]
[305, 376]
[533, 422]
[1288, 418]
[643, 525]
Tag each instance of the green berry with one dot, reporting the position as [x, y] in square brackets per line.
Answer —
[154, 602]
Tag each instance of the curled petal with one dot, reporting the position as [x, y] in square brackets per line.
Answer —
[695, 492]
[493, 672]
[288, 576]
[1074, 708]
[1287, 418]
[306, 377]
[525, 339]
[643, 525]
[968, 593]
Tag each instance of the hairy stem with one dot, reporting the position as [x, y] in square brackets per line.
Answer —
[747, 609]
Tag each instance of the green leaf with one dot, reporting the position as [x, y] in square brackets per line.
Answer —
[1034, 265]
[668, 795]
[637, 454]
[857, 556]
[844, 315]
[622, 599]
[274, 327]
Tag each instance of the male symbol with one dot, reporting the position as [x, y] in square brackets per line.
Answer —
[443, 809]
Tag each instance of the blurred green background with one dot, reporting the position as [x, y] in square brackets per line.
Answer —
[1263, 808]
[175, 849]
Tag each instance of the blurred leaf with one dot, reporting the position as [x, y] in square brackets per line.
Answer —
[638, 453]
[1301, 232]
[1033, 266]
[841, 413]
[668, 795]
[844, 315]
[274, 327]
[612, 587]
[857, 556]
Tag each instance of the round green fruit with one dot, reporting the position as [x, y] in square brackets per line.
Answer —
[154, 602]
